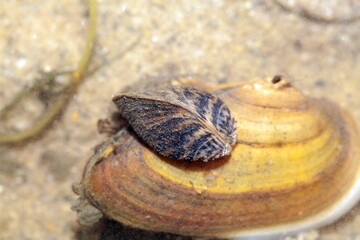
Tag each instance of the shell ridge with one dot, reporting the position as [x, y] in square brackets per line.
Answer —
[279, 144]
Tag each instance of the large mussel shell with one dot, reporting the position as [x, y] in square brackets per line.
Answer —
[295, 166]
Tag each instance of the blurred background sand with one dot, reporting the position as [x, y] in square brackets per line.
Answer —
[219, 40]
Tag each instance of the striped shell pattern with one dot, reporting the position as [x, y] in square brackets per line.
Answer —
[180, 122]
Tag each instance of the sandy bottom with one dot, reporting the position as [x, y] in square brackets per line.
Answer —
[218, 40]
